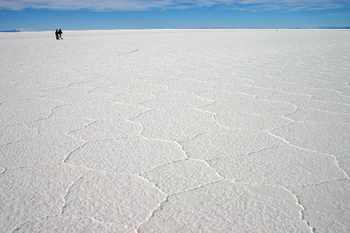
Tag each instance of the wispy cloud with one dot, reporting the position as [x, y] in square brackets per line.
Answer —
[136, 5]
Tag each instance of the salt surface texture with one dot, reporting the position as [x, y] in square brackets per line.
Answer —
[175, 131]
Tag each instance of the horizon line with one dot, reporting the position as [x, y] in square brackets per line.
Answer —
[96, 29]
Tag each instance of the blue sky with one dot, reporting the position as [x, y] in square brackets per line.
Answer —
[47, 15]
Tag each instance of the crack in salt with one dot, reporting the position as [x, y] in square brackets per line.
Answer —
[71, 152]
[310, 150]
[13, 142]
[302, 211]
[2, 170]
[166, 200]
[68, 191]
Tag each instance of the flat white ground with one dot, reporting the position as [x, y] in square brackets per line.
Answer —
[175, 131]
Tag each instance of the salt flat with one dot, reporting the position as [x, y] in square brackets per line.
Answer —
[175, 131]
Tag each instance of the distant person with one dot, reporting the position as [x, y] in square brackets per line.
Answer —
[57, 35]
[60, 33]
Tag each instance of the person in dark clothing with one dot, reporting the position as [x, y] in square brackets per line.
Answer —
[60, 33]
[56, 33]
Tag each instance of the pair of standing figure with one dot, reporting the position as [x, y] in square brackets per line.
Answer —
[58, 34]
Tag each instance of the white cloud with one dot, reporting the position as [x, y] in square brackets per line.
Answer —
[102, 5]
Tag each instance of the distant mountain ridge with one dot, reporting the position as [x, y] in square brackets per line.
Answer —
[334, 27]
[16, 30]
